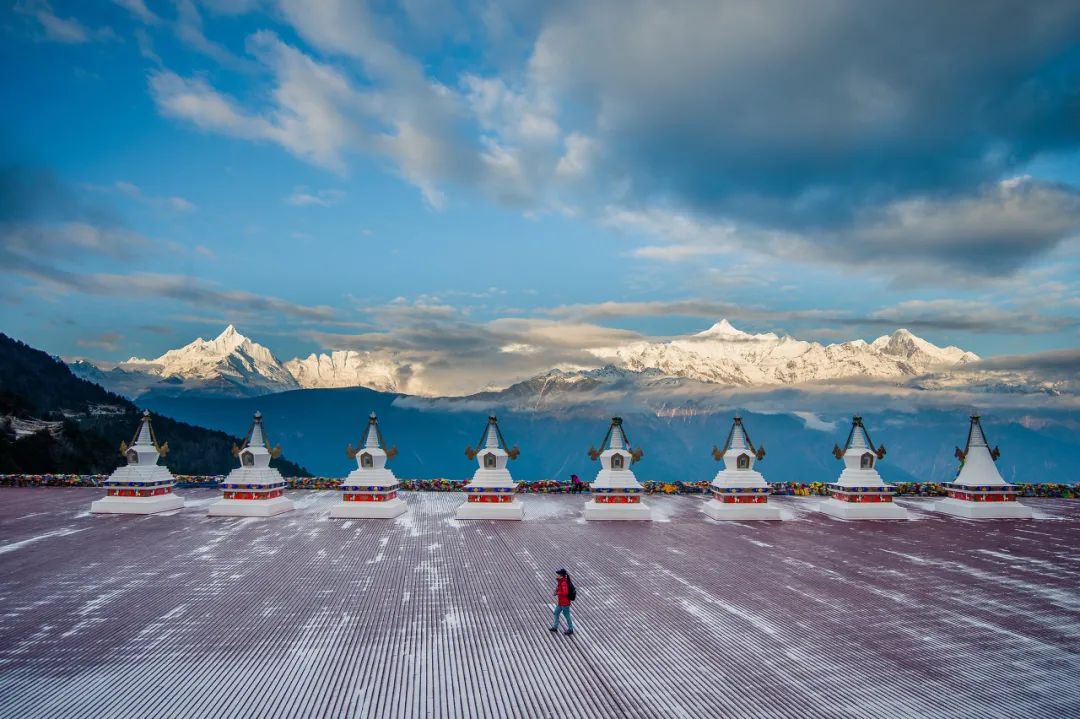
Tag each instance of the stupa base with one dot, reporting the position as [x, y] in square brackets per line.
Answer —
[250, 507]
[639, 511]
[514, 510]
[862, 510]
[369, 510]
[137, 505]
[983, 510]
[740, 511]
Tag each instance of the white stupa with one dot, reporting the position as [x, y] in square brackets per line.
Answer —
[979, 492]
[254, 489]
[738, 491]
[616, 493]
[142, 486]
[859, 493]
[490, 494]
[370, 490]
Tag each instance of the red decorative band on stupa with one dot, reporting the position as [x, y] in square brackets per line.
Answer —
[138, 489]
[740, 495]
[489, 495]
[490, 498]
[617, 495]
[983, 493]
[112, 492]
[883, 493]
[253, 492]
[617, 499]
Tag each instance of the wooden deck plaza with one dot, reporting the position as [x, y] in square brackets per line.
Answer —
[183, 615]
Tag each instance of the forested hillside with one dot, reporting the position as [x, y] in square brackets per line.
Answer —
[52, 421]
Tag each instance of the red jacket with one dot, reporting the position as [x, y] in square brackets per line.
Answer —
[562, 591]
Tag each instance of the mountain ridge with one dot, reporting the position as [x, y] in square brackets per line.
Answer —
[234, 365]
[725, 355]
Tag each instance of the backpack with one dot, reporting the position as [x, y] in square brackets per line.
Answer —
[571, 590]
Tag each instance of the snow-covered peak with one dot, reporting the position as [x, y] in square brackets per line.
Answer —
[723, 328]
[725, 355]
[724, 331]
[229, 342]
[225, 343]
[230, 338]
[350, 368]
[904, 344]
[230, 359]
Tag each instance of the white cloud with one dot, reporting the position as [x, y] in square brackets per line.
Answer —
[318, 113]
[315, 112]
[146, 46]
[991, 232]
[195, 101]
[815, 422]
[139, 10]
[66, 30]
[422, 160]
[181, 288]
[302, 197]
[688, 238]
[972, 315]
[189, 28]
[180, 204]
[27, 244]
[511, 115]
[676, 253]
[174, 203]
[419, 119]
[578, 157]
[349, 28]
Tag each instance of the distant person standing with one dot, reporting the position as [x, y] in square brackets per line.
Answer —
[565, 593]
[575, 484]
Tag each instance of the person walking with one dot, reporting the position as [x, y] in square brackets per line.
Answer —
[565, 593]
[575, 484]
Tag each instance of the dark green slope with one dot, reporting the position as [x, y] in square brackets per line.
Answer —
[89, 423]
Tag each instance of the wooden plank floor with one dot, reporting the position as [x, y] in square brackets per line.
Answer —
[182, 615]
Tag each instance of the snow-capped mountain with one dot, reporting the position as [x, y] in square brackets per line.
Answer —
[725, 355]
[349, 368]
[230, 364]
[920, 354]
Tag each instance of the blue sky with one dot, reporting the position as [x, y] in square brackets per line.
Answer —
[445, 179]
